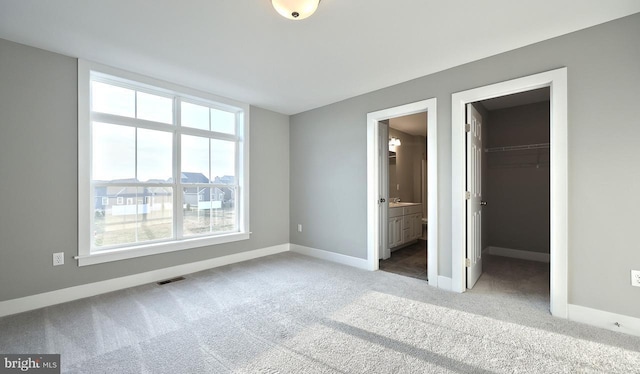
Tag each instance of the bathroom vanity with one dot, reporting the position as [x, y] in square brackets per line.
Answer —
[405, 224]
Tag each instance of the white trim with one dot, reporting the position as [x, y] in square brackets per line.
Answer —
[355, 262]
[124, 253]
[444, 283]
[243, 174]
[85, 193]
[556, 80]
[517, 253]
[42, 300]
[603, 319]
[373, 193]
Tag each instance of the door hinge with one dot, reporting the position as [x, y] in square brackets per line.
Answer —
[467, 262]
[467, 127]
[467, 195]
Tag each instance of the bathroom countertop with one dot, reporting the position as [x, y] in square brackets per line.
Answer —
[402, 204]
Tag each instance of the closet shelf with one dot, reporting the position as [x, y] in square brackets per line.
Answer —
[518, 147]
[536, 165]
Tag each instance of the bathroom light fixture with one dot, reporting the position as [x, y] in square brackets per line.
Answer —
[394, 142]
[295, 9]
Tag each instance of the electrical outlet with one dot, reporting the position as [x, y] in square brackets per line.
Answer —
[635, 278]
[299, 227]
[58, 258]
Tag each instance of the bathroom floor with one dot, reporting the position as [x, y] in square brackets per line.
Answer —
[410, 261]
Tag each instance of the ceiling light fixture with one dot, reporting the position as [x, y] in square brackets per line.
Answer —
[295, 9]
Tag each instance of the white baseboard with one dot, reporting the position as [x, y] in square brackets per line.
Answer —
[331, 256]
[445, 283]
[516, 253]
[606, 320]
[42, 300]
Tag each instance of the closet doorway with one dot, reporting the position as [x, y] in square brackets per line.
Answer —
[514, 196]
[469, 155]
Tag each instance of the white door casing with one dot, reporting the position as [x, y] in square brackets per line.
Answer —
[474, 195]
[556, 80]
[383, 187]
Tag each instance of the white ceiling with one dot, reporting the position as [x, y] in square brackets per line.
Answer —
[244, 50]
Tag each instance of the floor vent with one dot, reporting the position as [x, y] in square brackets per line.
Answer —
[161, 283]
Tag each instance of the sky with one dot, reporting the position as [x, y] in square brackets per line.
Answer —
[116, 155]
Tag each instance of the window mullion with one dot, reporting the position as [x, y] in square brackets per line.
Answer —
[131, 122]
[210, 174]
[135, 176]
[238, 203]
[210, 134]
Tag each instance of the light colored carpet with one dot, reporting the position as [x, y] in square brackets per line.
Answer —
[290, 313]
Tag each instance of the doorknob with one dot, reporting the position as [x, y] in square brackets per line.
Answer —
[382, 200]
[483, 203]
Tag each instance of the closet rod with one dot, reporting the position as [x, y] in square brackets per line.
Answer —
[518, 147]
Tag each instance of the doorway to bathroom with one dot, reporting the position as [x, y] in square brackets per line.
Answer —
[402, 190]
[406, 182]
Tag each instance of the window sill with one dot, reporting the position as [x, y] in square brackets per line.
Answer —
[157, 248]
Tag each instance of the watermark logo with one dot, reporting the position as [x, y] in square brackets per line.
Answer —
[29, 363]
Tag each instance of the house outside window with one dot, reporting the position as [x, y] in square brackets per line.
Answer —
[149, 141]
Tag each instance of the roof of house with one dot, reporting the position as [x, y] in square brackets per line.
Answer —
[189, 177]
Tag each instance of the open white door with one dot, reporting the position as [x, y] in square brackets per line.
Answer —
[384, 250]
[474, 195]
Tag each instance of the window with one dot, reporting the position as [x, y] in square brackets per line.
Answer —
[174, 161]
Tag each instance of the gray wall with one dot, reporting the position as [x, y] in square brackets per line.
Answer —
[38, 173]
[406, 168]
[518, 193]
[328, 157]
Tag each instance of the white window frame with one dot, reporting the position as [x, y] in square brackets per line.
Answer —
[85, 195]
